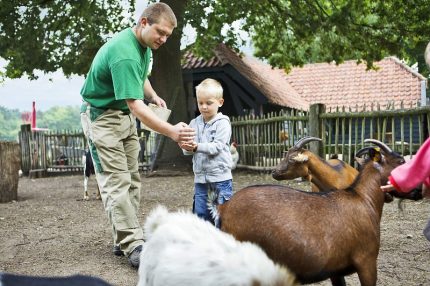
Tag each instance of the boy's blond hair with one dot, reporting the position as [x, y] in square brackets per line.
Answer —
[211, 86]
[427, 54]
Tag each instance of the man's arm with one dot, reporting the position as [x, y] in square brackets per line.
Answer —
[180, 132]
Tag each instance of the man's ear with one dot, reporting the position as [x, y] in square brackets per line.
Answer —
[144, 21]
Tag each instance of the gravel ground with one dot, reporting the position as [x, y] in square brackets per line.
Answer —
[50, 230]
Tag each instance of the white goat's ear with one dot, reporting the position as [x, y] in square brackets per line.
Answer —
[300, 158]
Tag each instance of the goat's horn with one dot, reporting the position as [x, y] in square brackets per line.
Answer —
[383, 146]
[362, 151]
[305, 140]
[298, 143]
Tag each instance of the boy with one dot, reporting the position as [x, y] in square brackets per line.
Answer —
[212, 159]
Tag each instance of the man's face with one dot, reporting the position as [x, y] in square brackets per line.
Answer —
[154, 35]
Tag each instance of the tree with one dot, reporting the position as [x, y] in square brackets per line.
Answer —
[53, 34]
[49, 35]
[295, 32]
[10, 120]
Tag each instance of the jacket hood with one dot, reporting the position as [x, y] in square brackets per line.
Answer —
[217, 117]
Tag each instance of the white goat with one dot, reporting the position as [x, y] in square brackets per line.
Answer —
[182, 249]
[234, 155]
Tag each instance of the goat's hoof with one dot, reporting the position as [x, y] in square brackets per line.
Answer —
[86, 198]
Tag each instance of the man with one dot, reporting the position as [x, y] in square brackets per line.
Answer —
[113, 95]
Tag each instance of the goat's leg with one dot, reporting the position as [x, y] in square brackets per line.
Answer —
[338, 281]
[98, 196]
[367, 273]
[86, 196]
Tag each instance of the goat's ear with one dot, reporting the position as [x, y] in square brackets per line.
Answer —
[300, 158]
[375, 154]
[360, 161]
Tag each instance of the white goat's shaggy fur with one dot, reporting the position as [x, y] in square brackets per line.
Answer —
[234, 155]
[182, 249]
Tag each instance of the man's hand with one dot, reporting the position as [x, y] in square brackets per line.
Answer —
[151, 95]
[158, 101]
[183, 133]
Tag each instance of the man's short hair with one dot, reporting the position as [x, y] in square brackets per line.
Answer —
[427, 54]
[155, 11]
[212, 87]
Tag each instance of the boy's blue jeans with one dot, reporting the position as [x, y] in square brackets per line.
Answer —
[224, 191]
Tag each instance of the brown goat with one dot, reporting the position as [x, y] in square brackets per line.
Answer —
[324, 175]
[317, 235]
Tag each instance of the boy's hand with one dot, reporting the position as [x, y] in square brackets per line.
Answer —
[189, 146]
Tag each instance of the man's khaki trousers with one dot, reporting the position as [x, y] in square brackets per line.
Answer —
[114, 146]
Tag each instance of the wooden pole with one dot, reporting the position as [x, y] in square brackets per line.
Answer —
[10, 163]
[315, 128]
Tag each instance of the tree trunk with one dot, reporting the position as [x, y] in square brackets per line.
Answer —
[10, 163]
[167, 81]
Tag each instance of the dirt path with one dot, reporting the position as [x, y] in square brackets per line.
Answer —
[50, 230]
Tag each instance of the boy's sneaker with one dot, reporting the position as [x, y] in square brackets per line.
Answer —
[117, 250]
[134, 257]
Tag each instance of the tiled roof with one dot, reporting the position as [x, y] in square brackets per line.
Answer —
[192, 62]
[274, 87]
[348, 84]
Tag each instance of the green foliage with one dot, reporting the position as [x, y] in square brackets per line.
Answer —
[60, 118]
[293, 32]
[55, 118]
[52, 34]
[10, 121]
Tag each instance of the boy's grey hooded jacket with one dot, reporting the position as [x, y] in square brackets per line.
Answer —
[212, 161]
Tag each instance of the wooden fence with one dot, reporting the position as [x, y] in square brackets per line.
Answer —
[263, 140]
[62, 151]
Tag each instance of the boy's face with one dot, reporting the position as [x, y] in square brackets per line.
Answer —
[208, 104]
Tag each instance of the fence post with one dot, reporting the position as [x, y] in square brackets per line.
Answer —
[24, 142]
[315, 128]
[10, 162]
